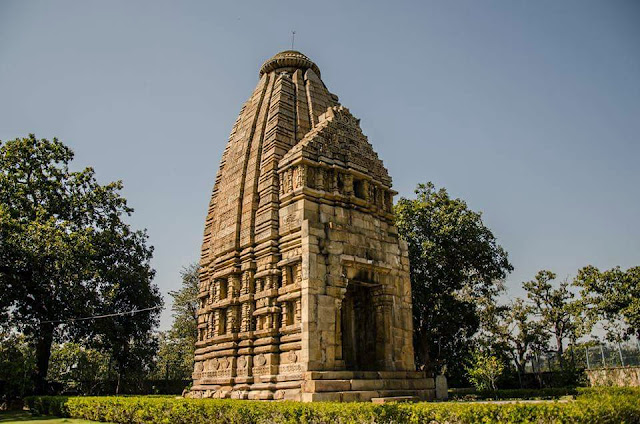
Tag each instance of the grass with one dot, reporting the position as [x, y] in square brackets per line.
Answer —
[10, 417]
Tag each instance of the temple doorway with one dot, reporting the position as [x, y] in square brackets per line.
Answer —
[358, 328]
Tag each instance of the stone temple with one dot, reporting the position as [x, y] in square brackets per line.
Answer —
[304, 283]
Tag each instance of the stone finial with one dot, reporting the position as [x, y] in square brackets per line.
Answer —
[289, 59]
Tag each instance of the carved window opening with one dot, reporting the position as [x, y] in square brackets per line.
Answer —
[358, 189]
[222, 322]
[288, 318]
[260, 323]
[259, 284]
[224, 289]
[287, 276]
[340, 182]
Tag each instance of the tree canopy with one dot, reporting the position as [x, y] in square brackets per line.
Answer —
[177, 345]
[455, 261]
[612, 295]
[65, 250]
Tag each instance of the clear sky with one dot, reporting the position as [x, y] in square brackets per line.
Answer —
[528, 110]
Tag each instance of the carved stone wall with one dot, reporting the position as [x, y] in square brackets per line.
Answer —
[299, 247]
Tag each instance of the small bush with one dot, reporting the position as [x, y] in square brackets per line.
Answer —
[591, 405]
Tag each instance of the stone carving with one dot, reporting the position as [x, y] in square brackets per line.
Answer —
[301, 264]
[260, 360]
[242, 362]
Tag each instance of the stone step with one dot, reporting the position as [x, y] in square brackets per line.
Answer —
[367, 395]
[311, 386]
[395, 399]
[366, 375]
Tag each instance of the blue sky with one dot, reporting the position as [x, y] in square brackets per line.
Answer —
[528, 110]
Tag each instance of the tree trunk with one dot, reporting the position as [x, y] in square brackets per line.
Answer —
[118, 382]
[559, 348]
[520, 364]
[422, 349]
[43, 354]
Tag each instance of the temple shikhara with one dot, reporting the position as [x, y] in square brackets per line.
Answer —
[304, 282]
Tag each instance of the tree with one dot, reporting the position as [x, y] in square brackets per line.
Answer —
[555, 308]
[484, 370]
[185, 305]
[612, 295]
[177, 346]
[519, 333]
[78, 368]
[455, 260]
[16, 366]
[65, 251]
[125, 276]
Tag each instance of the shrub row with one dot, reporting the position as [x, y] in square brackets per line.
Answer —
[506, 394]
[592, 406]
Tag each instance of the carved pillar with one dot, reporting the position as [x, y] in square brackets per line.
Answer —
[365, 190]
[234, 285]
[348, 185]
[210, 326]
[216, 290]
[216, 323]
[284, 314]
[320, 173]
[298, 311]
[232, 319]
[297, 278]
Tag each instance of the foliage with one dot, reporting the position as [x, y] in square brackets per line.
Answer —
[177, 346]
[590, 406]
[455, 261]
[512, 394]
[65, 252]
[612, 295]
[558, 312]
[511, 333]
[16, 366]
[185, 305]
[484, 370]
[77, 368]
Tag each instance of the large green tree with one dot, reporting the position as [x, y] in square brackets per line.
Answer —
[65, 251]
[455, 263]
[612, 295]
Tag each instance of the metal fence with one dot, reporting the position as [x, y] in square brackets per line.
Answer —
[606, 356]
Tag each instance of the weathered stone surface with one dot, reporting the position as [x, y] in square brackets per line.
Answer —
[616, 376]
[304, 284]
[442, 388]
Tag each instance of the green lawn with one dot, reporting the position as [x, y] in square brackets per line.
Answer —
[20, 417]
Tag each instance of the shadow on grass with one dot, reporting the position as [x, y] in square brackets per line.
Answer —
[8, 417]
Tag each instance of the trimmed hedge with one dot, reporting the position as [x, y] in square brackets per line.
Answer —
[590, 406]
[508, 394]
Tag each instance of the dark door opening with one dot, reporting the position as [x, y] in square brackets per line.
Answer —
[358, 326]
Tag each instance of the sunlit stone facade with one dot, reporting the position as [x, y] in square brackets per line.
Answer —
[304, 283]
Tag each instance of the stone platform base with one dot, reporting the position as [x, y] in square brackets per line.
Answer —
[314, 386]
